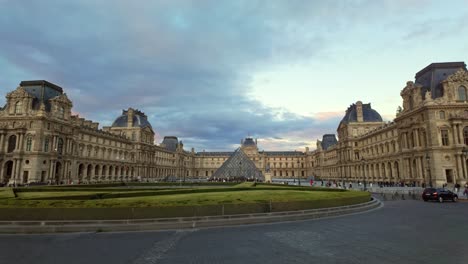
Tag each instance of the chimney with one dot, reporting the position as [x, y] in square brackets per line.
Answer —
[130, 114]
[360, 117]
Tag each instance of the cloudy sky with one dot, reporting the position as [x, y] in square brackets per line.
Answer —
[213, 72]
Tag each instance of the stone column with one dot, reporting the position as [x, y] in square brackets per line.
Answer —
[416, 138]
[460, 132]
[2, 139]
[54, 168]
[65, 178]
[454, 134]
[463, 163]
[13, 171]
[459, 159]
[419, 166]
[18, 137]
[21, 142]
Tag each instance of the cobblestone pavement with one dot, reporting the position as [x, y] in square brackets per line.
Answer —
[403, 231]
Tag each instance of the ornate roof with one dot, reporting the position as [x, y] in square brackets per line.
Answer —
[248, 142]
[328, 140]
[368, 114]
[171, 143]
[139, 119]
[42, 91]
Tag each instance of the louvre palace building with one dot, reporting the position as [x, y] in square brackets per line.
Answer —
[426, 143]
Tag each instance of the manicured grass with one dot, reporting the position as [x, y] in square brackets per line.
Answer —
[200, 197]
[71, 203]
[6, 193]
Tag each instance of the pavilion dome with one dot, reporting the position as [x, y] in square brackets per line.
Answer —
[139, 119]
[368, 114]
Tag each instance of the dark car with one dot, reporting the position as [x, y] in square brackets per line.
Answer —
[439, 194]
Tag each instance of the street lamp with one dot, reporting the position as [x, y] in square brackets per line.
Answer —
[429, 169]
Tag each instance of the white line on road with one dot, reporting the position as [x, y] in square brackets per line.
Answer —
[157, 251]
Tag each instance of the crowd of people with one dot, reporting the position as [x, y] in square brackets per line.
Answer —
[234, 179]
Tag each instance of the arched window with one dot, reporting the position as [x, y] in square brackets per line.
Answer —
[11, 143]
[465, 135]
[46, 145]
[60, 146]
[18, 107]
[462, 93]
[28, 144]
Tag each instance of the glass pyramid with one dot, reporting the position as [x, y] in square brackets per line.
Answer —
[238, 167]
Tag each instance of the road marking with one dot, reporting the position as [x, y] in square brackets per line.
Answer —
[157, 251]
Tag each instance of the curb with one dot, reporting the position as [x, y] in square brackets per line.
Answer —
[38, 227]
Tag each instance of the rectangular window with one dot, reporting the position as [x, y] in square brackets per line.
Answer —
[445, 137]
[46, 145]
[441, 115]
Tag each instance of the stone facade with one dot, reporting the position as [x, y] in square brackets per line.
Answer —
[41, 141]
[424, 144]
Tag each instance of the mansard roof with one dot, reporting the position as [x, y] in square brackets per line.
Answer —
[139, 120]
[328, 140]
[41, 83]
[248, 142]
[42, 91]
[368, 114]
[441, 65]
[170, 143]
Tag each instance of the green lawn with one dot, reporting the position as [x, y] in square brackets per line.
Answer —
[6, 193]
[88, 199]
[70, 203]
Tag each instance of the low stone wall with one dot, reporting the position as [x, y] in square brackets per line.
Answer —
[180, 222]
[117, 213]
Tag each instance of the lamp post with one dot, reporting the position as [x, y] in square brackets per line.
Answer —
[428, 158]
[298, 179]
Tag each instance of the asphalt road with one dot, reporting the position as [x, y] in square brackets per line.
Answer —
[401, 232]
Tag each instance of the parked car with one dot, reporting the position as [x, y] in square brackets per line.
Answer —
[438, 194]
